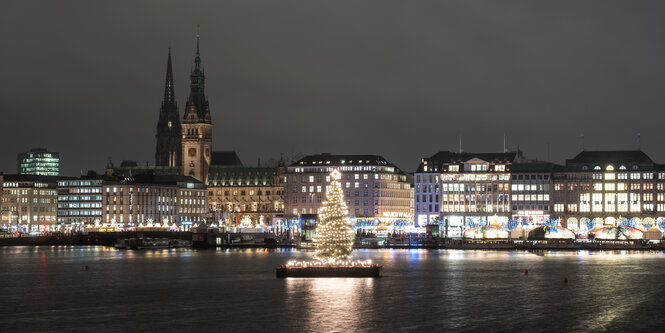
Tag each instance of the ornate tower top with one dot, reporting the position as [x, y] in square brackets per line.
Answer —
[197, 109]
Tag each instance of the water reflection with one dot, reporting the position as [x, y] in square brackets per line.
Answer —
[331, 304]
[422, 290]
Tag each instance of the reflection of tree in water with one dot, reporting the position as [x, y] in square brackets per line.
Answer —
[332, 304]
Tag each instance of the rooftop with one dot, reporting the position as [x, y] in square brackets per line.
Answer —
[448, 157]
[339, 160]
[226, 158]
[611, 156]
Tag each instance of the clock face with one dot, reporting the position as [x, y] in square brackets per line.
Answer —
[191, 152]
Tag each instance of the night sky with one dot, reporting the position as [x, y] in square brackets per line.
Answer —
[403, 79]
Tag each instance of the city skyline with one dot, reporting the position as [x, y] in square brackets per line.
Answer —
[401, 92]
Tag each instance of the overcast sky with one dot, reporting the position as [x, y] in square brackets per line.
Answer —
[403, 79]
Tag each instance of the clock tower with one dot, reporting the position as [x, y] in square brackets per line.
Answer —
[197, 125]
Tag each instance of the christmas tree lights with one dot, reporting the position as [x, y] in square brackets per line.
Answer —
[333, 234]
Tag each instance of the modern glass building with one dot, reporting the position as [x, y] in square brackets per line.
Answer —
[39, 162]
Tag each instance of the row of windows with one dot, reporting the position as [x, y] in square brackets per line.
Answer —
[476, 209]
[475, 197]
[530, 197]
[457, 187]
[244, 192]
[610, 186]
[530, 187]
[609, 208]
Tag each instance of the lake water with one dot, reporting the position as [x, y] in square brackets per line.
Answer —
[48, 289]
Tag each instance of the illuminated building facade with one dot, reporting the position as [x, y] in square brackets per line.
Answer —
[530, 185]
[39, 162]
[244, 196]
[128, 202]
[145, 199]
[463, 190]
[79, 202]
[377, 192]
[29, 202]
[604, 188]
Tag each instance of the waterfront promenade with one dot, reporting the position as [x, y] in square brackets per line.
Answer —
[235, 240]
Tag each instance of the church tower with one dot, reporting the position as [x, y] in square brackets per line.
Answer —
[196, 125]
[169, 133]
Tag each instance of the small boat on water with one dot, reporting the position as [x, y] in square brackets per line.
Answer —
[154, 243]
[151, 243]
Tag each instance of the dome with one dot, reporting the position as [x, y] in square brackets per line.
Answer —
[493, 231]
[619, 233]
[551, 232]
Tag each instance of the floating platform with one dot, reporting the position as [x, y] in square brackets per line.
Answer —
[372, 271]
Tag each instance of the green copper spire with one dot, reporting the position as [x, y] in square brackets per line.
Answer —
[197, 60]
[197, 109]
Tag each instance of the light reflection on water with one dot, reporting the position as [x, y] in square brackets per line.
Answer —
[330, 305]
[48, 289]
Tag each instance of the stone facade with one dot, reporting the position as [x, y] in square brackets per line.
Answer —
[602, 188]
[29, 203]
[376, 191]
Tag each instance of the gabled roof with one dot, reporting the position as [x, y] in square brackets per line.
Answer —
[226, 158]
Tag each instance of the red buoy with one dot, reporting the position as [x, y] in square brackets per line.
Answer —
[565, 280]
[86, 267]
[526, 272]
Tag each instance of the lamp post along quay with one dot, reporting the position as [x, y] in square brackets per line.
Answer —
[334, 245]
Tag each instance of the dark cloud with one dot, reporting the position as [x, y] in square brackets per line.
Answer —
[399, 78]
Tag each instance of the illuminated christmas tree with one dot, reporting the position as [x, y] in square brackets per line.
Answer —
[333, 234]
